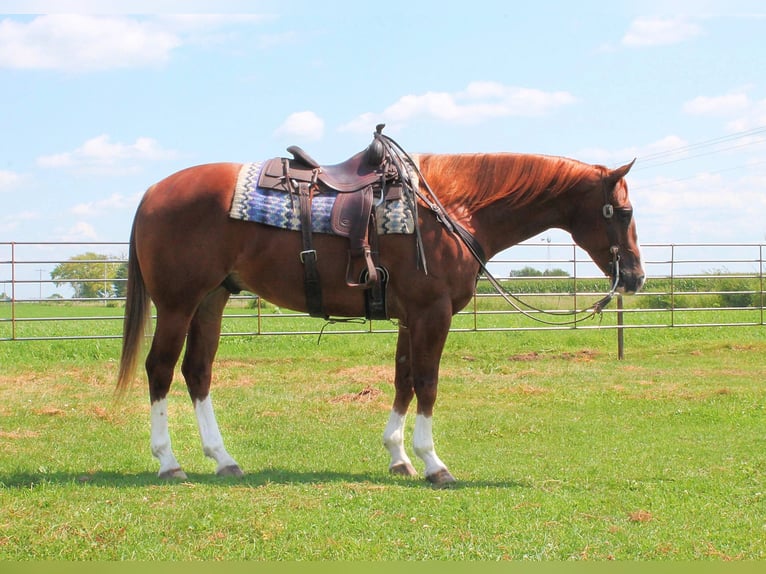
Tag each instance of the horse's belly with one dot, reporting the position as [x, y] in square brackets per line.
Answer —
[271, 268]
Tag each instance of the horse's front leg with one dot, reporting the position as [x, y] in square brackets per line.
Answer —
[428, 336]
[393, 436]
[427, 333]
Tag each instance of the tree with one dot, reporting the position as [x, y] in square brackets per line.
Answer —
[526, 272]
[120, 283]
[532, 272]
[91, 275]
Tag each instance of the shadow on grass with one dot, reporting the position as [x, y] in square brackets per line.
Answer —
[264, 477]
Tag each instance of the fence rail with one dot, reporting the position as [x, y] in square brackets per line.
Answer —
[59, 290]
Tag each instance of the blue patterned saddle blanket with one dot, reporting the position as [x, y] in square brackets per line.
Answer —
[280, 209]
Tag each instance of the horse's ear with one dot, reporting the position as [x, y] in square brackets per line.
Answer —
[616, 175]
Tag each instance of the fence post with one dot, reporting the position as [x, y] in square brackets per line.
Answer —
[13, 291]
[672, 285]
[620, 330]
[760, 269]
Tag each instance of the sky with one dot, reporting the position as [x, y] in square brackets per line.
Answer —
[101, 99]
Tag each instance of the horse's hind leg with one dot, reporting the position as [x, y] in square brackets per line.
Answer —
[197, 368]
[160, 364]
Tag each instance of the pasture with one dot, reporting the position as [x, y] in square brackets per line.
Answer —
[561, 452]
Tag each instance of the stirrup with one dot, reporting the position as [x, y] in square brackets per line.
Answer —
[372, 272]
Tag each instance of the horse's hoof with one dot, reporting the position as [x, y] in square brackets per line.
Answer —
[231, 470]
[403, 469]
[441, 478]
[173, 474]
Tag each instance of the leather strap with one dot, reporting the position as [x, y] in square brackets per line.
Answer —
[375, 296]
[470, 241]
[308, 256]
[355, 223]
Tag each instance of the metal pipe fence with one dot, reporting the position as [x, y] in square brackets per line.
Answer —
[57, 290]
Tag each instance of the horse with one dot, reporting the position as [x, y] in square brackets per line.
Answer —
[186, 251]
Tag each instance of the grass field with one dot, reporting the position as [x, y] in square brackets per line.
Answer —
[561, 452]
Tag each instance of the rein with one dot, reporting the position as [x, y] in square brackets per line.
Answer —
[592, 311]
[473, 246]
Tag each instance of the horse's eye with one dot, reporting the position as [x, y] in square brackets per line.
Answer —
[625, 214]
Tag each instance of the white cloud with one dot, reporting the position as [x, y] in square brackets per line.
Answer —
[693, 209]
[306, 126]
[12, 221]
[718, 105]
[660, 32]
[754, 118]
[663, 147]
[479, 102]
[115, 202]
[80, 231]
[125, 7]
[9, 180]
[79, 42]
[742, 113]
[102, 155]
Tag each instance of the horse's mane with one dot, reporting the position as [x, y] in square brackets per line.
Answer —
[475, 181]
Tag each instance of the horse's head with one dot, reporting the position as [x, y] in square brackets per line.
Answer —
[603, 225]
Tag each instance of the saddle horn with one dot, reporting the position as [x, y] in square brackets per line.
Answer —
[376, 151]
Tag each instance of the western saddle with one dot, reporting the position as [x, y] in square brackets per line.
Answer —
[372, 175]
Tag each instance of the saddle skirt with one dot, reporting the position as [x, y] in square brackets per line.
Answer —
[251, 202]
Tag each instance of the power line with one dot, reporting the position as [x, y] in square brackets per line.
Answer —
[666, 157]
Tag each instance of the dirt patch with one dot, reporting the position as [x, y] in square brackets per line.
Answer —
[531, 356]
[19, 434]
[583, 355]
[364, 375]
[526, 390]
[640, 516]
[49, 411]
[366, 395]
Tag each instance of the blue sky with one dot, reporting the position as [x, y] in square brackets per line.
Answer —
[101, 99]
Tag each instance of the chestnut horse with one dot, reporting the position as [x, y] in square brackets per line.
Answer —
[185, 248]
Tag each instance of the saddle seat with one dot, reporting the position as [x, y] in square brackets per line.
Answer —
[357, 172]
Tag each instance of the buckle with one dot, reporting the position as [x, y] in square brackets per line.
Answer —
[608, 211]
[308, 252]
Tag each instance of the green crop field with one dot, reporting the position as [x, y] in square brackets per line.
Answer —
[561, 451]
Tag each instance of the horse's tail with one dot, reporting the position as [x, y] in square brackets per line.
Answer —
[136, 318]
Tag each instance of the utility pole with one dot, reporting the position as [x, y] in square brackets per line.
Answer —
[40, 284]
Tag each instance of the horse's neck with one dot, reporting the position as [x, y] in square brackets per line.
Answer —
[504, 222]
[500, 226]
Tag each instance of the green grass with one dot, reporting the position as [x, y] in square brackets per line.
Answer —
[561, 451]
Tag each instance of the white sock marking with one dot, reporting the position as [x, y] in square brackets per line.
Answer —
[423, 443]
[393, 439]
[160, 437]
[212, 441]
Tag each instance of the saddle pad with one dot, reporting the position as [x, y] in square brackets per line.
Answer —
[279, 209]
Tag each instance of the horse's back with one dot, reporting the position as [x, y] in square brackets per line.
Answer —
[210, 184]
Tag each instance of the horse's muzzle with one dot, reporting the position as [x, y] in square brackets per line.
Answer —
[630, 283]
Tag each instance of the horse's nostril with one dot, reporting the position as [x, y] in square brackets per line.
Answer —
[631, 283]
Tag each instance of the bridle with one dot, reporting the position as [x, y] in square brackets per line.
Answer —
[434, 205]
[597, 308]
[608, 212]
